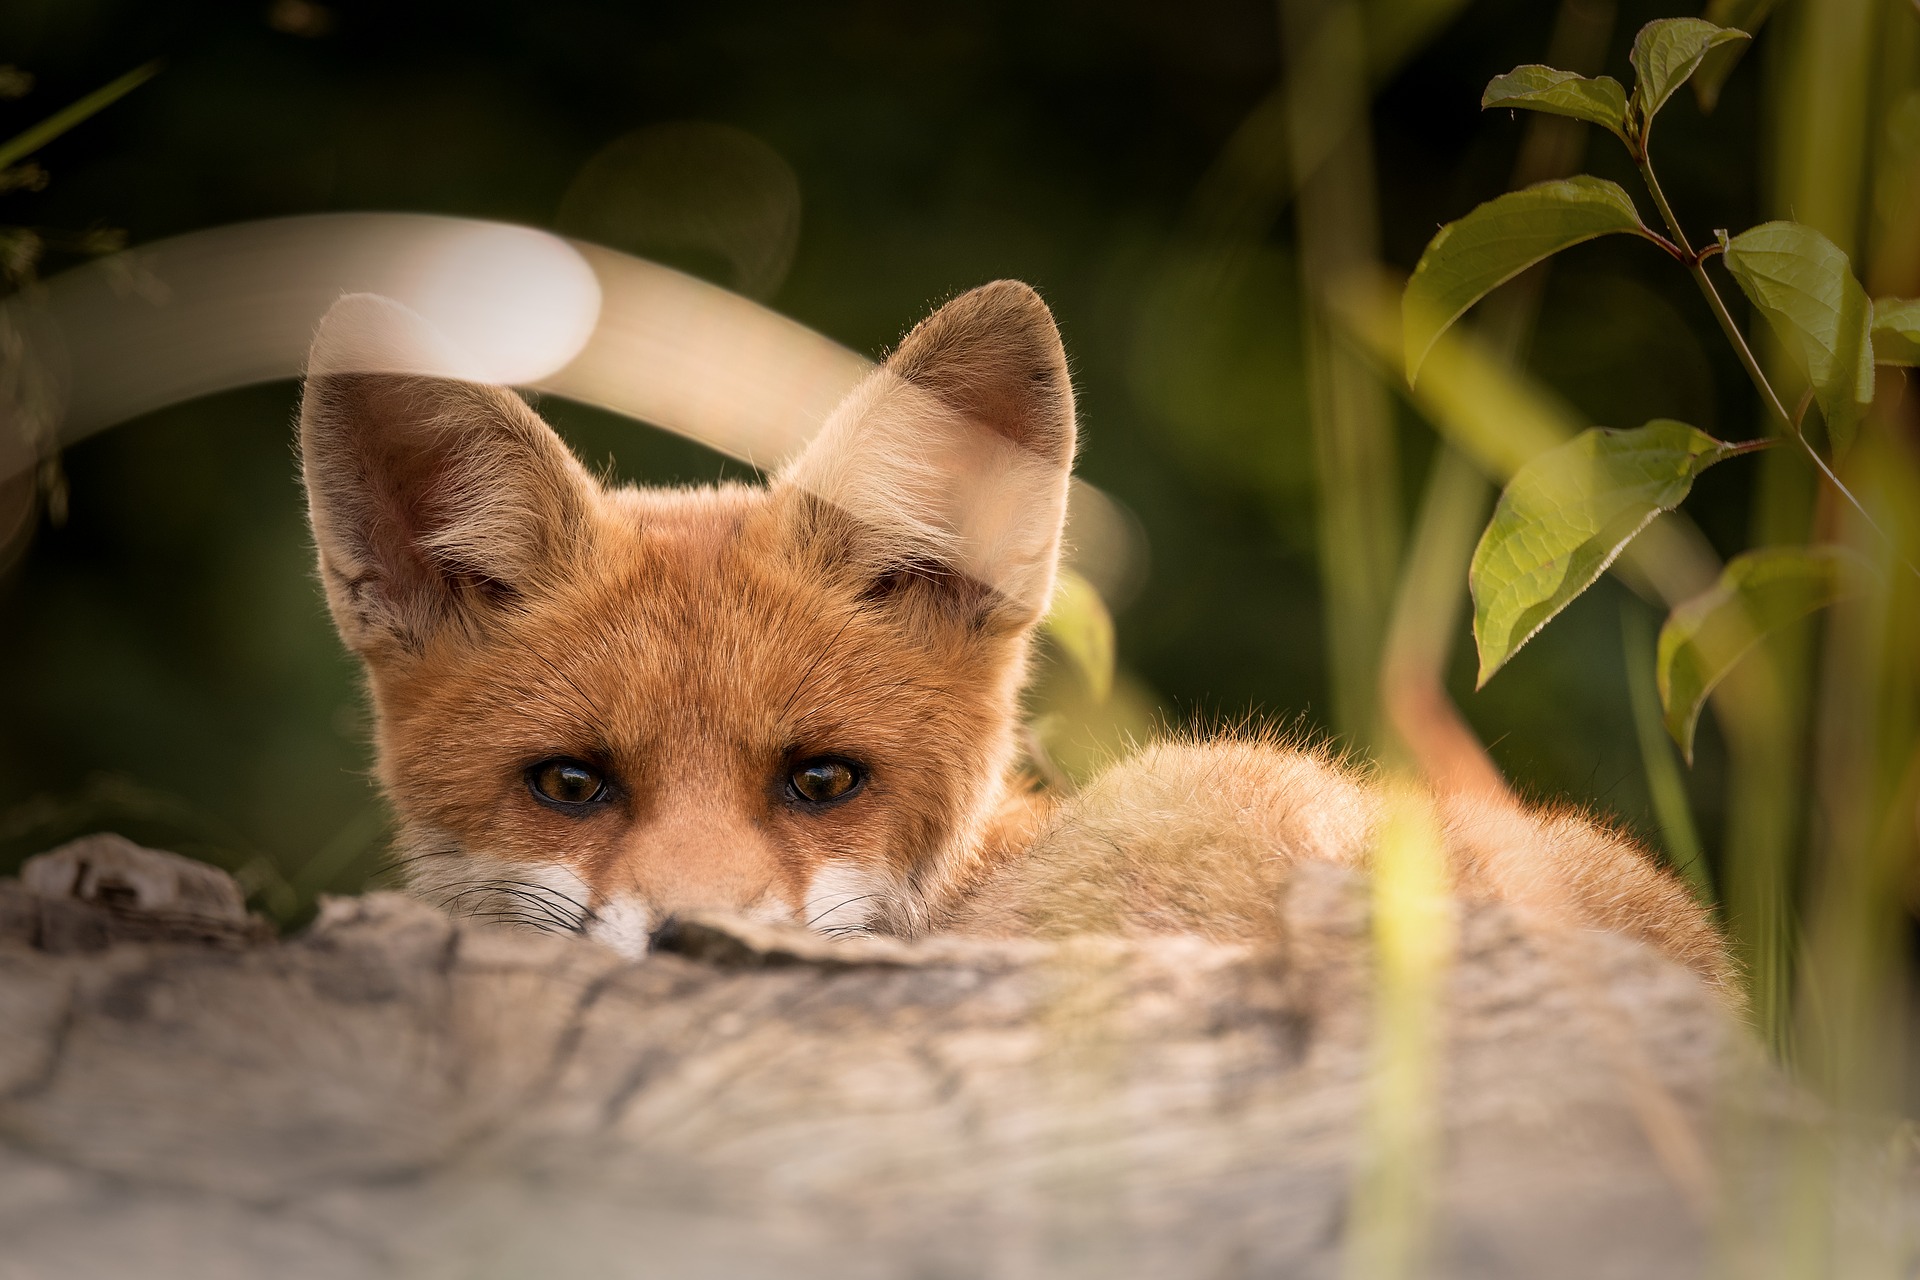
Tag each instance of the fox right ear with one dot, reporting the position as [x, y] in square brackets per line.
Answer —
[434, 500]
[952, 459]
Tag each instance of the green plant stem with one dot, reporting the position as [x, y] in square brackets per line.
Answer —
[1665, 785]
[1696, 265]
[1698, 270]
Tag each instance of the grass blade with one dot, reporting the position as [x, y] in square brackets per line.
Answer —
[28, 141]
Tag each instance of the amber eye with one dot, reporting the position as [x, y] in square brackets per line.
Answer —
[824, 780]
[566, 782]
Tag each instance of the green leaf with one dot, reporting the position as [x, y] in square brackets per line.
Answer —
[1079, 623]
[1566, 515]
[1804, 286]
[1749, 16]
[1561, 93]
[1757, 594]
[24, 144]
[1666, 53]
[1896, 331]
[1496, 242]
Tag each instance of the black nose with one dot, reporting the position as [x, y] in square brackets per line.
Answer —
[714, 942]
[668, 935]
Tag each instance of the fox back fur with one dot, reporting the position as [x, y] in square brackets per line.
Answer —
[598, 706]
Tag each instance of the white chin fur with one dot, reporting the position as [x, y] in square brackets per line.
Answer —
[625, 924]
[622, 924]
[844, 896]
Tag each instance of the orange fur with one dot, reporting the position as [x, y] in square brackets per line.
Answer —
[1199, 836]
[873, 604]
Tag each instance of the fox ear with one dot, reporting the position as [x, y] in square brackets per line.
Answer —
[433, 499]
[951, 460]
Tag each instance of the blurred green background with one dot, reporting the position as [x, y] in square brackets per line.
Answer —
[169, 667]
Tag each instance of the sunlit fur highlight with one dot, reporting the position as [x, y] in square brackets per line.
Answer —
[1193, 835]
[876, 601]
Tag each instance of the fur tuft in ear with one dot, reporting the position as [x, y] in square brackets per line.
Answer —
[956, 452]
[433, 500]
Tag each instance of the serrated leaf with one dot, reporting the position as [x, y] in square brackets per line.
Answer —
[1804, 285]
[1079, 623]
[1600, 101]
[1496, 242]
[1566, 515]
[1896, 331]
[1666, 53]
[1757, 594]
[1711, 76]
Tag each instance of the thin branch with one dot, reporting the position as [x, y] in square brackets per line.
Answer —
[1699, 272]
[1800, 413]
[1788, 425]
[1672, 250]
[1747, 359]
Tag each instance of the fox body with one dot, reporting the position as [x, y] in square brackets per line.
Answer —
[598, 706]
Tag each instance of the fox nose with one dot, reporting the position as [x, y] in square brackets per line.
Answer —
[668, 935]
[720, 947]
[633, 931]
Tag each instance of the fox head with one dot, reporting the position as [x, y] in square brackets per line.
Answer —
[597, 706]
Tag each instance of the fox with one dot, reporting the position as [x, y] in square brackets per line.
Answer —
[599, 707]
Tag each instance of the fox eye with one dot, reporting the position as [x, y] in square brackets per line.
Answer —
[567, 783]
[824, 779]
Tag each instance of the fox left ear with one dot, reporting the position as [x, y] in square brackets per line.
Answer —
[952, 459]
[435, 500]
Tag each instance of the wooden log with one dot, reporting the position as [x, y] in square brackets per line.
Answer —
[394, 1092]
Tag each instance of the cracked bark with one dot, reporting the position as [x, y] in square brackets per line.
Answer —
[398, 1093]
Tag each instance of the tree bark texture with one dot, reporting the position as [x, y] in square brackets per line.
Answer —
[396, 1093]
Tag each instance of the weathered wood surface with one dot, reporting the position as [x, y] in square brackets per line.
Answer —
[397, 1093]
